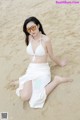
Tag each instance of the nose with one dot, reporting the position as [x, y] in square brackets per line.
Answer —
[32, 31]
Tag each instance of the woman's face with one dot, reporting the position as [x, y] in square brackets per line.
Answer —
[32, 28]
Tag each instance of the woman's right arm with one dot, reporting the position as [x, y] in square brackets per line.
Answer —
[52, 56]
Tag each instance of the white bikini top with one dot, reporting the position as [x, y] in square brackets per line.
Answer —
[38, 52]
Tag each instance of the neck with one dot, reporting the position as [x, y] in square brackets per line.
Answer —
[37, 37]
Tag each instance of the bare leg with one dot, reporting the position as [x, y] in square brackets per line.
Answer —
[57, 80]
[26, 92]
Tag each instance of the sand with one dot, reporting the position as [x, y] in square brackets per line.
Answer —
[61, 22]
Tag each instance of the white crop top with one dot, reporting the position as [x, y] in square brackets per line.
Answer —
[38, 52]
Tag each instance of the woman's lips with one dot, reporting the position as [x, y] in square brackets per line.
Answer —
[33, 33]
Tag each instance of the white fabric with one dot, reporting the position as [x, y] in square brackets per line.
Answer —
[40, 51]
[40, 75]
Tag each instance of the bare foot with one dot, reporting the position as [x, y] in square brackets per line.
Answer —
[59, 79]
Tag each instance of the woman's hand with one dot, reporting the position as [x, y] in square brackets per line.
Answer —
[52, 56]
[63, 63]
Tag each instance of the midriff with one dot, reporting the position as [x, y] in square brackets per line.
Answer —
[39, 59]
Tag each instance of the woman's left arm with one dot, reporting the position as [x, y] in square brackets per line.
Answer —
[52, 56]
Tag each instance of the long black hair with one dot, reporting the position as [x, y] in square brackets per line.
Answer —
[37, 22]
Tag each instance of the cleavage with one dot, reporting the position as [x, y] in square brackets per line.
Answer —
[36, 47]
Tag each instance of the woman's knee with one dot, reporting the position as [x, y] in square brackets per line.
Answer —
[25, 96]
[26, 92]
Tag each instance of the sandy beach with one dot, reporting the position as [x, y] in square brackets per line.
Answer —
[61, 23]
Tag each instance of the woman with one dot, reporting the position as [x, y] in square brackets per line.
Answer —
[35, 85]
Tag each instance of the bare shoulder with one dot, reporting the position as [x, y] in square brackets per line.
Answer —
[46, 38]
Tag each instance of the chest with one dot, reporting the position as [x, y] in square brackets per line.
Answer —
[38, 46]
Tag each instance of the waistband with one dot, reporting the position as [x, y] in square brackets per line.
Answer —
[39, 64]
